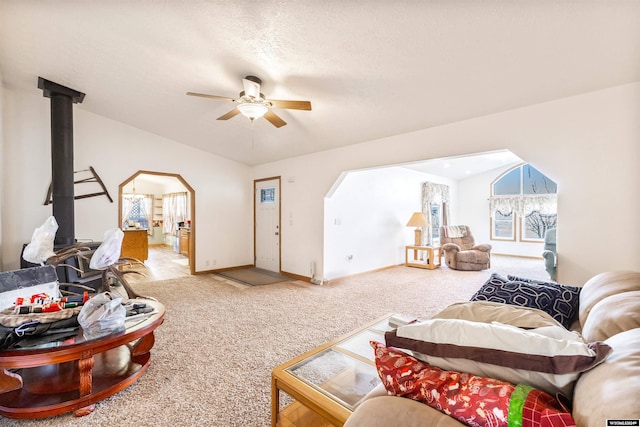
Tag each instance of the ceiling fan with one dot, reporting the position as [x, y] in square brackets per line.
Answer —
[253, 104]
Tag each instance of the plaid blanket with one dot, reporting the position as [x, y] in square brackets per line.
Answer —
[455, 231]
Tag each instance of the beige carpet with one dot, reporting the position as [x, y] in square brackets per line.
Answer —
[213, 356]
[254, 276]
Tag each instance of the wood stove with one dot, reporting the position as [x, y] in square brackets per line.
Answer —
[62, 184]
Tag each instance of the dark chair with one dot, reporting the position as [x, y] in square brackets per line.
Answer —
[549, 254]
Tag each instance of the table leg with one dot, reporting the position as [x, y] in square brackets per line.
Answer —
[85, 366]
[9, 381]
[144, 345]
[275, 402]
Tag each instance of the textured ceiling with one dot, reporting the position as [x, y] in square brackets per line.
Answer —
[370, 68]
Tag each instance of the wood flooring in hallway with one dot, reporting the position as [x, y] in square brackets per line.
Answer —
[163, 263]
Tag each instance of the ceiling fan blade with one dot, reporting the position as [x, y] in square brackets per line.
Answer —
[274, 119]
[204, 95]
[230, 114]
[251, 86]
[291, 105]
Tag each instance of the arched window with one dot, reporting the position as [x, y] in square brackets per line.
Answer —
[523, 198]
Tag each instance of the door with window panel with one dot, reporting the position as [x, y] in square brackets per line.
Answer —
[267, 224]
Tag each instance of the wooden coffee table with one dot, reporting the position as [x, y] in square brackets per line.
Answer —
[74, 374]
[333, 378]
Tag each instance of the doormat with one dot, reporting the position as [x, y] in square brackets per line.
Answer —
[254, 276]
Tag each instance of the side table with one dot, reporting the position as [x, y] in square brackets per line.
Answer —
[428, 257]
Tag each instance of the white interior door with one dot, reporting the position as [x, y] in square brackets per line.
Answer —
[267, 224]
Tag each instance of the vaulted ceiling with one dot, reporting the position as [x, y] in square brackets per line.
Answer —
[370, 68]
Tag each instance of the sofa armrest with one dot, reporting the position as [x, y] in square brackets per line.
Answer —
[484, 247]
[451, 247]
[388, 411]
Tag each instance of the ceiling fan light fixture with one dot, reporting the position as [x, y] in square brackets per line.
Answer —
[251, 110]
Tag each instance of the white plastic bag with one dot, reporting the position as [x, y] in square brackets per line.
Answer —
[102, 314]
[41, 247]
[109, 250]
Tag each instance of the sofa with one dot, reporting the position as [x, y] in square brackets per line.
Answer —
[608, 313]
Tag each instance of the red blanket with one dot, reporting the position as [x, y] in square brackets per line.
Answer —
[472, 400]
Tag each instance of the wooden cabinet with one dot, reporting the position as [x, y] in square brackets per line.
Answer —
[185, 236]
[135, 244]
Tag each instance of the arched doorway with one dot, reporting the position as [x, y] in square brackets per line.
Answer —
[151, 176]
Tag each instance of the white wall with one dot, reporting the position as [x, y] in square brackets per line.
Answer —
[117, 151]
[588, 144]
[366, 215]
[2, 172]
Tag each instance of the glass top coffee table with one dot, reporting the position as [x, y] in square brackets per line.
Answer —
[333, 378]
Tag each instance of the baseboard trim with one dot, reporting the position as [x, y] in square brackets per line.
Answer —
[517, 256]
[219, 270]
[337, 279]
[296, 276]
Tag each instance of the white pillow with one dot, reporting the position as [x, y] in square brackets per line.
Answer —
[489, 312]
[550, 358]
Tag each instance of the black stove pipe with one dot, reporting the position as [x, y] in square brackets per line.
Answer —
[62, 180]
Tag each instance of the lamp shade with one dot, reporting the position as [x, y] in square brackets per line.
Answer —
[418, 220]
[252, 110]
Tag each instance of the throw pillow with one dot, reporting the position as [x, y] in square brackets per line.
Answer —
[471, 399]
[550, 358]
[489, 312]
[524, 294]
[569, 302]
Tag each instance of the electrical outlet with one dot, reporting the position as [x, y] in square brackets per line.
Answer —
[206, 263]
[214, 262]
[349, 257]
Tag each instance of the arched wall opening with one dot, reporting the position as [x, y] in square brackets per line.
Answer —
[366, 210]
[154, 176]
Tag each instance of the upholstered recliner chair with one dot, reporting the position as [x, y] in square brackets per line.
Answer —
[549, 253]
[461, 251]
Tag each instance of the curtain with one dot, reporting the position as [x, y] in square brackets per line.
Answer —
[146, 210]
[145, 201]
[524, 204]
[434, 194]
[127, 205]
[174, 210]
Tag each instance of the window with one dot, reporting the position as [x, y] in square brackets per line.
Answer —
[174, 211]
[137, 211]
[435, 199]
[267, 195]
[536, 224]
[137, 216]
[435, 222]
[524, 195]
[503, 226]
